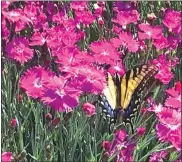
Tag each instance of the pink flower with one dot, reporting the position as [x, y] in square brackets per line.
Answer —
[78, 5]
[123, 6]
[167, 135]
[127, 17]
[5, 32]
[164, 65]
[33, 79]
[117, 68]
[158, 156]
[142, 45]
[13, 123]
[20, 25]
[172, 20]
[104, 52]
[18, 50]
[175, 138]
[38, 39]
[88, 109]
[120, 135]
[85, 17]
[174, 97]
[170, 118]
[15, 16]
[125, 41]
[164, 75]
[60, 96]
[160, 43]
[6, 157]
[173, 42]
[162, 132]
[149, 31]
[119, 147]
[141, 131]
[89, 79]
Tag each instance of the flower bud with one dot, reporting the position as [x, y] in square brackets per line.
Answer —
[106, 145]
[20, 97]
[56, 121]
[6, 157]
[141, 131]
[48, 117]
[178, 86]
[151, 16]
[13, 123]
[88, 109]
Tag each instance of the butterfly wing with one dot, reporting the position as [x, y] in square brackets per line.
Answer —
[134, 84]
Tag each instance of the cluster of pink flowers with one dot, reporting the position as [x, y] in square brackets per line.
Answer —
[169, 115]
[119, 148]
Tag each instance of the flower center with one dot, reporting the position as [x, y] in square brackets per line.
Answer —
[37, 83]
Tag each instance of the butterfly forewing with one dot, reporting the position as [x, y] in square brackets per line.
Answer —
[142, 88]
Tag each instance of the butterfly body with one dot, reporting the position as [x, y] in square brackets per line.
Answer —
[124, 93]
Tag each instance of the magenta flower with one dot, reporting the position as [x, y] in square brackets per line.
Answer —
[89, 79]
[142, 45]
[20, 25]
[85, 17]
[173, 42]
[70, 58]
[125, 41]
[18, 50]
[5, 4]
[60, 96]
[127, 17]
[104, 52]
[99, 7]
[160, 43]
[172, 20]
[174, 97]
[78, 5]
[5, 32]
[158, 156]
[117, 67]
[38, 39]
[149, 31]
[120, 148]
[169, 127]
[7, 157]
[88, 109]
[33, 79]
[141, 131]
[164, 65]
[165, 134]
[164, 75]
[33, 11]
[15, 16]
[170, 118]
[123, 6]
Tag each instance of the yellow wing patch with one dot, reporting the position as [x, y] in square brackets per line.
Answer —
[131, 80]
[110, 92]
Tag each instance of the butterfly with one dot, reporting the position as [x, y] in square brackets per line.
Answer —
[125, 93]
